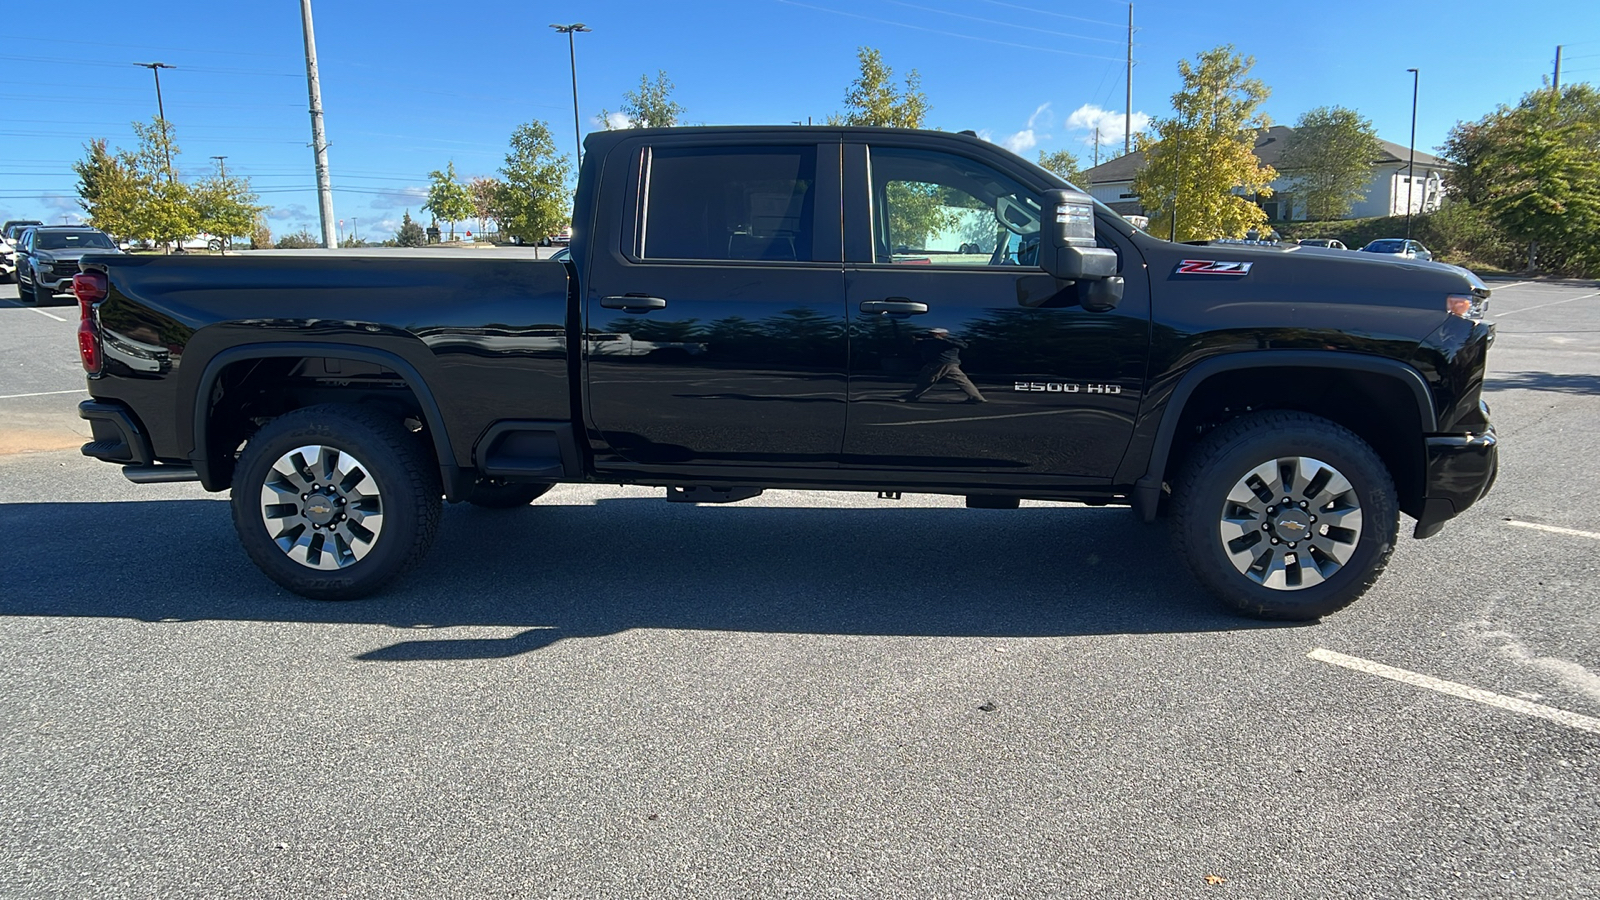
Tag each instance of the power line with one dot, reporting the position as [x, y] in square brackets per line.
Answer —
[1043, 12]
[954, 34]
[957, 15]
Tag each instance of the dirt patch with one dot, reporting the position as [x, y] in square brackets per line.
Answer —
[38, 440]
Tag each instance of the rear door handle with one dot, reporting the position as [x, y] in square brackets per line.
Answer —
[633, 303]
[894, 305]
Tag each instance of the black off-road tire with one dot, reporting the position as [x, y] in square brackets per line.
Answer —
[399, 462]
[1226, 458]
[25, 293]
[506, 495]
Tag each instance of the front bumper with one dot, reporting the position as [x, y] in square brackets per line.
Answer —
[58, 282]
[1461, 468]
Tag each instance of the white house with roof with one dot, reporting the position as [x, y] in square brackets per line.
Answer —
[1386, 194]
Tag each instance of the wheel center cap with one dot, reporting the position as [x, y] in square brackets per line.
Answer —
[320, 509]
[1292, 524]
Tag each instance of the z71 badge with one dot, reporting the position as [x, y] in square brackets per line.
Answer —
[1212, 267]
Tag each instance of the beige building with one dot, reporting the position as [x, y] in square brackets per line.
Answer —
[1386, 194]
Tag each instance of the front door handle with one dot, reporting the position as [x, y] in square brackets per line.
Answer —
[635, 303]
[894, 305]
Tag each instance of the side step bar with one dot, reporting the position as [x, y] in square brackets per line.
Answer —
[703, 494]
[159, 474]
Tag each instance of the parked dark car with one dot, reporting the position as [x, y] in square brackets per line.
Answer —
[784, 307]
[1398, 247]
[47, 258]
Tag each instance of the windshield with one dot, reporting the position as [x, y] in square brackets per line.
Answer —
[74, 240]
[1390, 246]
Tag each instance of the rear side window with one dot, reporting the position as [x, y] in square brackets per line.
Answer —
[747, 203]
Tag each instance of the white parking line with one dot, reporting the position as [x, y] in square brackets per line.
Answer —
[1488, 698]
[1507, 287]
[45, 314]
[1554, 529]
[44, 394]
[1543, 305]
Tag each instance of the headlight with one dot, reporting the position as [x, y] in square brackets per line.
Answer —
[1467, 306]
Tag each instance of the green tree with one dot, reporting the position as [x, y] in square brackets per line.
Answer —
[534, 200]
[299, 240]
[410, 233]
[1201, 159]
[108, 189]
[448, 198]
[872, 98]
[226, 207]
[1534, 171]
[651, 106]
[1065, 164]
[260, 234]
[1329, 158]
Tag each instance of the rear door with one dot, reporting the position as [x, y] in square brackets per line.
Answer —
[713, 315]
[948, 273]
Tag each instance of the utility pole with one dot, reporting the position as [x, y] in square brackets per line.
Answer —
[222, 166]
[1555, 82]
[1411, 167]
[1127, 114]
[319, 142]
[1097, 145]
[161, 111]
[572, 56]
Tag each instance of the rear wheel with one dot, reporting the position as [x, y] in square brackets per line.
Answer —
[506, 495]
[1285, 515]
[334, 501]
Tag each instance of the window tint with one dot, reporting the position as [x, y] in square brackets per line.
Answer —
[73, 240]
[933, 208]
[731, 204]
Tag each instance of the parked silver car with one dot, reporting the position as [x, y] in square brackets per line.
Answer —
[1330, 243]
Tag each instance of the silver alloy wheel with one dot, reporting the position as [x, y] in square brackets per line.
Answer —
[321, 507]
[1291, 523]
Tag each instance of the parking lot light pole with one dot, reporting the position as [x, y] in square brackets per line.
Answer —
[1411, 167]
[572, 56]
[161, 110]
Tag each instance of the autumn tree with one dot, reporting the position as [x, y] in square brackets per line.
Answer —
[651, 106]
[1065, 164]
[1328, 157]
[108, 189]
[534, 199]
[1201, 159]
[448, 198]
[873, 99]
[485, 194]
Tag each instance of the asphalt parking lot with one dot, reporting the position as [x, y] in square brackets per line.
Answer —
[802, 695]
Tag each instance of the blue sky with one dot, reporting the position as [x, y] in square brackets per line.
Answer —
[408, 86]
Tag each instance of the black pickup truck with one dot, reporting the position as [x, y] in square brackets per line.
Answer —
[823, 308]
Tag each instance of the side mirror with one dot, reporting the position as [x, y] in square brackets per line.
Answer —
[123, 246]
[1069, 252]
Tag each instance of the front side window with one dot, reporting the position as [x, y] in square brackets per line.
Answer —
[735, 203]
[937, 209]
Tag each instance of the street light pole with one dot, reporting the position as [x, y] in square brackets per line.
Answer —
[572, 55]
[1411, 167]
[161, 111]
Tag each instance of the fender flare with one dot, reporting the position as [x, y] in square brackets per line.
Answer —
[1147, 489]
[449, 472]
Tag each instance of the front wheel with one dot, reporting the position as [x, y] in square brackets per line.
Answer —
[25, 292]
[1285, 515]
[334, 501]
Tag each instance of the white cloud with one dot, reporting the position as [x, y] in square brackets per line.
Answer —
[1041, 117]
[296, 211]
[1021, 142]
[613, 121]
[986, 135]
[1110, 122]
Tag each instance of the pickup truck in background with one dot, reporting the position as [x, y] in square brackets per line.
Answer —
[851, 309]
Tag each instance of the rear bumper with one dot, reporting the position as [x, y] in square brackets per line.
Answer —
[1461, 468]
[117, 435]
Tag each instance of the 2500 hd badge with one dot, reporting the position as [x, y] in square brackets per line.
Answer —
[1066, 387]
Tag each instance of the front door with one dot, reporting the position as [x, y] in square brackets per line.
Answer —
[965, 355]
[714, 335]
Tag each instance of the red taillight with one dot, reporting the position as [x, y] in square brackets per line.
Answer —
[91, 288]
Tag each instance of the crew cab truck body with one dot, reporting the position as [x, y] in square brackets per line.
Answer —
[1281, 405]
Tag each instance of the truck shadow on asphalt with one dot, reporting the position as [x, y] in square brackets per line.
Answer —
[1562, 383]
[563, 572]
